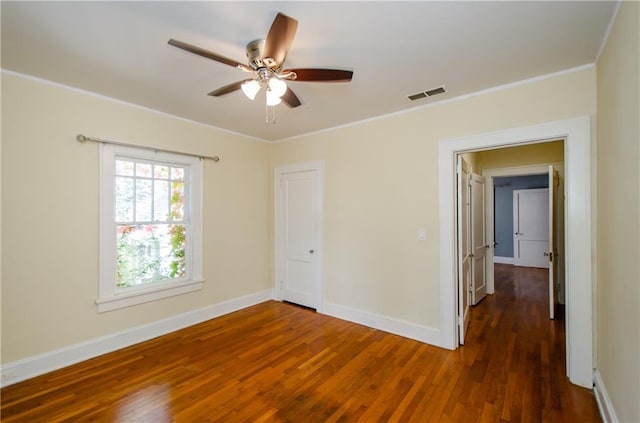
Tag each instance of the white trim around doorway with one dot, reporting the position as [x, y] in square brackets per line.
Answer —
[576, 134]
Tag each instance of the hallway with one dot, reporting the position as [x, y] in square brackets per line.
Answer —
[520, 353]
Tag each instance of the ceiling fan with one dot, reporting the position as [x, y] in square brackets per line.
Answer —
[266, 59]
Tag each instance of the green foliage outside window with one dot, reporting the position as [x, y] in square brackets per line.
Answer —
[149, 252]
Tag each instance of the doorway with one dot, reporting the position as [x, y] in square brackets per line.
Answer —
[501, 184]
[523, 223]
[503, 205]
[577, 153]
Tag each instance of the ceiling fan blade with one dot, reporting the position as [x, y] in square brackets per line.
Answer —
[290, 99]
[208, 54]
[228, 88]
[280, 37]
[321, 75]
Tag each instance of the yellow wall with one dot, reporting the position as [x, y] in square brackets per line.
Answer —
[548, 152]
[381, 185]
[472, 160]
[50, 214]
[618, 214]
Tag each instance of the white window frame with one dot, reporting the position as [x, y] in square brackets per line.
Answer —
[109, 297]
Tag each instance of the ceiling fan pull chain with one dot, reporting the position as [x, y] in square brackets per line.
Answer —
[273, 114]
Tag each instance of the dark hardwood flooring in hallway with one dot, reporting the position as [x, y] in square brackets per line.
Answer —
[276, 362]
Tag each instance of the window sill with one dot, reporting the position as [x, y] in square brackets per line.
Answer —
[144, 296]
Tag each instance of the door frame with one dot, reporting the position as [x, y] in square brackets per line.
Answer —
[278, 172]
[527, 170]
[579, 248]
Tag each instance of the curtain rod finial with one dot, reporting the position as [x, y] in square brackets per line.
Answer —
[81, 138]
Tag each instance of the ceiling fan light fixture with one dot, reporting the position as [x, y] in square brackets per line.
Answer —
[266, 58]
[251, 88]
[277, 86]
[272, 98]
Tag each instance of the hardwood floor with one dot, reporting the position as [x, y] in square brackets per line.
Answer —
[276, 362]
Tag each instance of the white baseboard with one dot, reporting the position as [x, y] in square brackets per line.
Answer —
[37, 365]
[503, 260]
[20, 370]
[410, 330]
[607, 412]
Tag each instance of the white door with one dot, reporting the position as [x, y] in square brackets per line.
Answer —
[531, 227]
[298, 230]
[478, 240]
[552, 252]
[464, 246]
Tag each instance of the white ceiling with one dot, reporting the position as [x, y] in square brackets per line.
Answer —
[120, 50]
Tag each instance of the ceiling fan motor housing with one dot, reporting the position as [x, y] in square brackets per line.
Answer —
[255, 50]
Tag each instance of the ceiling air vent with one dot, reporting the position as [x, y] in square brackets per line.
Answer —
[435, 91]
[428, 93]
[418, 96]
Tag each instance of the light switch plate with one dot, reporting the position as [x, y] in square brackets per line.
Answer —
[422, 234]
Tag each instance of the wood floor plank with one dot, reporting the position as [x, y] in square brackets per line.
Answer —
[276, 362]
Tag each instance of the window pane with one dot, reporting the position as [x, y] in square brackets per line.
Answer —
[177, 263]
[177, 200]
[160, 200]
[143, 200]
[177, 173]
[124, 199]
[161, 172]
[124, 168]
[143, 170]
[150, 253]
